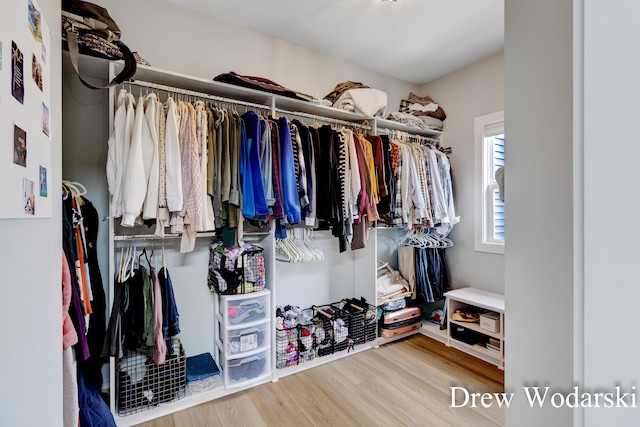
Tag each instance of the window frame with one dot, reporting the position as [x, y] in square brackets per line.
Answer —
[485, 185]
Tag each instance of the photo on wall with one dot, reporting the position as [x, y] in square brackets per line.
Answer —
[17, 73]
[36, 71]
[43, 182]
[28, 197]
[34, 22]
[27, 126]
[19, 146]
[45, 120]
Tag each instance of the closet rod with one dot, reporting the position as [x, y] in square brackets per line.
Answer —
[131, 237]
[410, 135]
[193, 93]
[325, 119]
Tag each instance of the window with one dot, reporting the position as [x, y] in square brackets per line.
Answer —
[489, 208]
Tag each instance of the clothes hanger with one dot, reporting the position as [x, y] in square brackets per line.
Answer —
[76, 188]
[126, 274]
[133, 259]
[282, 251]
[120, 266]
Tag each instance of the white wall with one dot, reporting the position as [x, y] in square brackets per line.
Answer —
[176, 39]
[473, 91]
[30, 306]
[611, 179]
[539, 252]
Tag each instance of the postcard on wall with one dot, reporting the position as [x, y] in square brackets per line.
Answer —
[36, 71]
[34, 22]
[17, 75]
[19, 146]
[28, 198]
[45, 120]
[43, 182]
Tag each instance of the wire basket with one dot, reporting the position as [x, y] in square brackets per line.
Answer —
[287, 347]
[143, 384]
[360, 319]
[331, 330]
[295, 345]
[236, 271]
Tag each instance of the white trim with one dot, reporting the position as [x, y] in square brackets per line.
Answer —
[482, 180]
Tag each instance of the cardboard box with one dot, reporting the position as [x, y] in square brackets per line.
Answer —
[490, 322]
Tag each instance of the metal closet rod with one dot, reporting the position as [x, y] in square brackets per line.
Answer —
[324, 119]
[133, 237]
[195, 94]
[410, 135]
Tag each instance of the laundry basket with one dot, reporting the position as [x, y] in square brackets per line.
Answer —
[143, 384]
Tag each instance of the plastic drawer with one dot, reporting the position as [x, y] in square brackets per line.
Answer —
[238, 341]
[244, 370]
[240, 310]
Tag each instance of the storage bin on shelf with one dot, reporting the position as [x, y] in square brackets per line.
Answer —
[360, 319]
[236, 270]
[243, 343]
[243, 370]
[295, 343]
[240, 341]
[331, 330]
[238, 310]
[143, 384]
[202, 373]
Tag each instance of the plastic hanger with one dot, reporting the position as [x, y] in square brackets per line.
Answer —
[128, 259]
[121, 265]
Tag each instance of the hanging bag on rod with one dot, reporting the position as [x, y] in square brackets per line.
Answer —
[89, 29]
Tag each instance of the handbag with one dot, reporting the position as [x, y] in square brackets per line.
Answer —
[89, 29]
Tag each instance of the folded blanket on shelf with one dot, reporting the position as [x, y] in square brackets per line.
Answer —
[408, 119]
[260, 83]
[432, 123]
[342, 88]
[370, 102]
[390, 283]
[422, 106]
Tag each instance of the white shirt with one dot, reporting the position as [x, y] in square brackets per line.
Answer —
[138, 168]
[118, 151]
[152, 117]
[173, 162]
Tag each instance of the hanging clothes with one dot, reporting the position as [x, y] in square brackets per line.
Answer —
[70, 246]
[118, 149]
[92, 366]
[207, 168]
[291, 201]
[170, 315]
[254, 198]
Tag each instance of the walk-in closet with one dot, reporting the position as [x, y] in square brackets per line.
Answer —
[246, 308]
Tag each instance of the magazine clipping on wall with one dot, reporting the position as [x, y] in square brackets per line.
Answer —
[25, 101]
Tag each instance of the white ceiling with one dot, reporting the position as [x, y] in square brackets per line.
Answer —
[413, 40]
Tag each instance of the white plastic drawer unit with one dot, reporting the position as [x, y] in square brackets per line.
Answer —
[244, 309]
[239, 341]
[242, 370]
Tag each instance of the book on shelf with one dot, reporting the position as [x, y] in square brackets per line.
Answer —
[494, 342]
[493, 348]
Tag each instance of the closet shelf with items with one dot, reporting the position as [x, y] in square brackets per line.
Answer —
[475, 320]
[337, 273]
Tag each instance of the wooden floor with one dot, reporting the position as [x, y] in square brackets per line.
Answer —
[402, 383]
